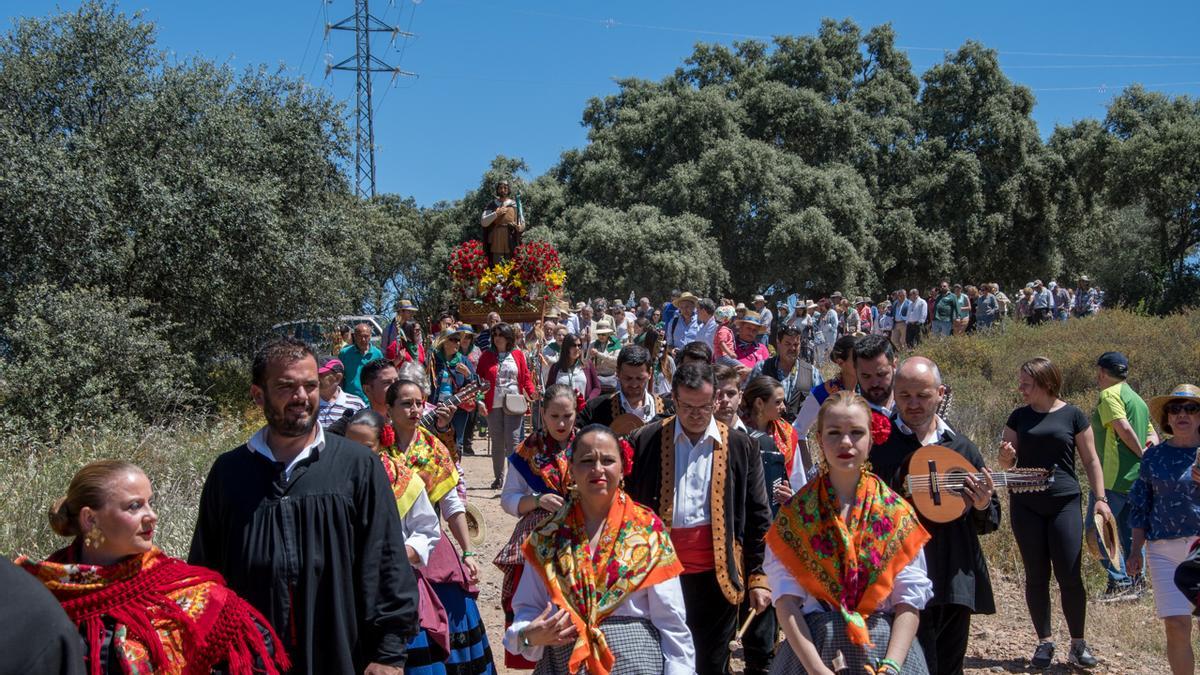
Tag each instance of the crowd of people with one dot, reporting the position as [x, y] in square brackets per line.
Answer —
[676, 472]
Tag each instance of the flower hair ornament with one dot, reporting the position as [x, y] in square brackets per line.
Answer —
[387, 436]
[881, 428]
[579, 403]
[626, 456]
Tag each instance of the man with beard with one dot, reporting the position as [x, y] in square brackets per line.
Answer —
[956, 566]
[634, 375]
[797, 376]
[304, 526]
[875, 365]
[705, 481]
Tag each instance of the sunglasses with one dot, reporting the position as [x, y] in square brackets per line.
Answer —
[1177, 408]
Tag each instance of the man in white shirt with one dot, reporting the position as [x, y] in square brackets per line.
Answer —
[914, 321]
[705, 457]
[900, 307]
[706, 315]
[766, 316]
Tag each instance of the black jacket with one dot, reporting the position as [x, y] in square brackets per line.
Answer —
[740, 514]
[954, 558]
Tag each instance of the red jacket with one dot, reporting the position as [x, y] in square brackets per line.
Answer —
[488, 368]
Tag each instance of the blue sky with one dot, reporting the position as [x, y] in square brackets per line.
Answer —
[513, 78]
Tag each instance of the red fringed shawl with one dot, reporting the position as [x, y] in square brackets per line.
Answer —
[170, 617]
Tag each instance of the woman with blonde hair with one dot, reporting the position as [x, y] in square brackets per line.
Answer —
[844, 560]
[138, 609]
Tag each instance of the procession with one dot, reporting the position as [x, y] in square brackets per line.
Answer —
[802, 354]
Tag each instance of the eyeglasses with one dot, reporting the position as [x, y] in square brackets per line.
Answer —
[1177, 408]
[686, 409]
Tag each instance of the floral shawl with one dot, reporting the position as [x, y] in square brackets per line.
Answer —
[406, 486]
[786, 440]
[539, 458]
[169, 617]
[850, 565]
[428, 458]
[633, 552]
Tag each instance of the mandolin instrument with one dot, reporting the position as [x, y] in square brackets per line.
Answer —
[937, 479]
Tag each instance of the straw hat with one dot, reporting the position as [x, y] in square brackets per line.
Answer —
[446, 335]
[404, 304]
[1181, 392]
[750, 317]
[553, 313]
[604, 326]
[686, 296]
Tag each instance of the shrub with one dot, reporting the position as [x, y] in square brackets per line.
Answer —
[176, 458]
[82, 357]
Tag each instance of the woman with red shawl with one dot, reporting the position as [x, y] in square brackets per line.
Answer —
[138, 609]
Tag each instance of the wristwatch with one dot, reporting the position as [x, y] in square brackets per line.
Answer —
[523, 638]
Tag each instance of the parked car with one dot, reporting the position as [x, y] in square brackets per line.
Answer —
[318, 333]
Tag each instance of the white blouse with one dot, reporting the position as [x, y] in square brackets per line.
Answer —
[911, 587]
[515, 487]
[661, 604]
[421, 528]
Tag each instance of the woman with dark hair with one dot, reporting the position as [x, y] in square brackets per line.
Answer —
[506, 370]
[453, 577]
[1165, 516]
[138, 609]
[452, 371]
[600, 589]
[763, 403]
[573, 370]
[535, 487]
[845, 561]
[407, 347]
[1047, 433]
[664, 364]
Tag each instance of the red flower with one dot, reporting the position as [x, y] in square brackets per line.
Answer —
[626, 456]
[387, 437]
[579, 403]
[881, 428]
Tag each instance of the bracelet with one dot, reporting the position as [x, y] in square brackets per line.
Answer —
[885, 665]
[1102, 498]
[468, 554]
[524, 638]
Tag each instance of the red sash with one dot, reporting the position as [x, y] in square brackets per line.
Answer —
[694, 546]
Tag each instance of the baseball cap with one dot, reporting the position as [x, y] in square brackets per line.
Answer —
[1114, 362]
[330, 365]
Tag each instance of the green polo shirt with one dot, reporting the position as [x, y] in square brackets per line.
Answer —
[1121, 465]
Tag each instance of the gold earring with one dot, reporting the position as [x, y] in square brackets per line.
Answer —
[94, 538]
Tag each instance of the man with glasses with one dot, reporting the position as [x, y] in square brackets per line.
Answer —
[714, 503]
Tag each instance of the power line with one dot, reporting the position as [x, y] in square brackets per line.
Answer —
[1103, 88]
[312, 31]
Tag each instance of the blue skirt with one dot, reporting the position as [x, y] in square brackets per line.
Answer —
[470, 653]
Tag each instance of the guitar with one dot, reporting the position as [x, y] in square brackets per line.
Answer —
[467, 393]
[937, 476]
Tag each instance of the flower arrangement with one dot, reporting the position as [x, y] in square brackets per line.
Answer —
[537, 263]
[468, 263]
[532, 275]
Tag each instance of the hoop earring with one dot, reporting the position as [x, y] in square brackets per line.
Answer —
[94, 538]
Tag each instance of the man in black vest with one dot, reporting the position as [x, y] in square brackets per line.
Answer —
[961, 584]
[632, 396]
[705, 481]
[797, 375]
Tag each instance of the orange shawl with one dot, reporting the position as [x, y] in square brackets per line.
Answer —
[633, 552]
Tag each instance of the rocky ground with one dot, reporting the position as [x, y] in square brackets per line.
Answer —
[999, 644]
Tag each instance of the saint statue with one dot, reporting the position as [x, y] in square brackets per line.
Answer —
[503, 223]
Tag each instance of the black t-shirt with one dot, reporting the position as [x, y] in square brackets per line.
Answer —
[1047, 441]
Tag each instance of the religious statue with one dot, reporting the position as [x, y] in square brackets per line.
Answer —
[503, 223]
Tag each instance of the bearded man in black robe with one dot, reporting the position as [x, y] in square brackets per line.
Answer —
[304, 526]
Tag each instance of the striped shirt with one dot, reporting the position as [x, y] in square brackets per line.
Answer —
[332, 411]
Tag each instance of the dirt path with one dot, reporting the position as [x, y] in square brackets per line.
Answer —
[999, 644]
